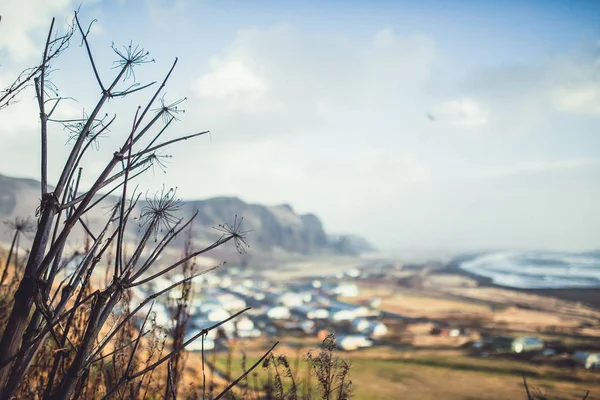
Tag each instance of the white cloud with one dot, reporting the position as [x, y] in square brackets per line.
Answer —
[22, 116]
[97, 29]
[284, 80]
[376, 165]
[25, 25]
[535, 167]
[464, 112]
[335, 124]
[581, 100]
[230, 80]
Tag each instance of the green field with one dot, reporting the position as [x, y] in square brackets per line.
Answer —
[415, 375]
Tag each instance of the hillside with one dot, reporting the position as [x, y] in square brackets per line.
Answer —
[274, 230]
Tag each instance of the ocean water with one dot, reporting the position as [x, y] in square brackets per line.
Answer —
[537, 270]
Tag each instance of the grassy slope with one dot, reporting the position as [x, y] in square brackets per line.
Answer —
[422, 376]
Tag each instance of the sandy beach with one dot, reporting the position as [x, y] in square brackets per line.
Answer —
[589, 296]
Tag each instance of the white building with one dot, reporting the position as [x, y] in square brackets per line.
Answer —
[290, 299]
[217, 315]
[230, 301]
[278, 312]
[361, 325]
[310, 312]
[341, 314]
[377, 329]
[346, 289]
[244, 323]
[352, 342]
[587, 360]
[373, 329]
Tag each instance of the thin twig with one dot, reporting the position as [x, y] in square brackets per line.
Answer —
[256, 364]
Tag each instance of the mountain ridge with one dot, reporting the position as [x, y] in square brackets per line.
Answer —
[272, 229]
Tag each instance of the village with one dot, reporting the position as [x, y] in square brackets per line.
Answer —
[353, 305]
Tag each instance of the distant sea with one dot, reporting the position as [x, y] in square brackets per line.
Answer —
[537, 269]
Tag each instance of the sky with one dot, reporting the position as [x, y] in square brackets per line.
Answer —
[430, 126]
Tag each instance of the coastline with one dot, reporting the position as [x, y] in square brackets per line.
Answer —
[588, 296]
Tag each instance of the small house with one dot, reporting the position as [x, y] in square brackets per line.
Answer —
[230, 301]
[278, 312]
[361, 325]
[290, 299]
[587, 360]
[217, 314]
[373, 329]
[377, 329]
[352, 342]
[310, 312]
[346, 290]
[526, 344]
[341, 314]
[358, 311]
[522, 344]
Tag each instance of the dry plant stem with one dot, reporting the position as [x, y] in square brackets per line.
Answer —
[170, 383]
[130, 377]
[106, 300]
[169, 142]
[181, 317]
[203, 371]
[586, 395]
[162, 85]
[156, 137]
[9, 256]
[135, 346]
[58, 359]
[216, 244]
[41, 335]
[79, 342]
[118, 349]
[119, 255]
[62, 238]
[29, 344]
[24, 79]
[163, 243]
[256, 364]
[89, 52]
[36, 264]
[69, 223]
[120, 325]
[43, 117]
[102, 185]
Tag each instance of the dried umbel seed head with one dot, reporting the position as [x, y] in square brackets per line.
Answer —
[129, 57]
[235, 230]
[158, 212]
[21, 225]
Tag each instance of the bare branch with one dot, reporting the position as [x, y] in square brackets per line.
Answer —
[256, 364]
[216, 244]
[108, 337]
[43, 117]
[160, 88]
[170, 383]
[118, 349]
[132, 89]
[103, 184]
[158, 146]
[84, 40]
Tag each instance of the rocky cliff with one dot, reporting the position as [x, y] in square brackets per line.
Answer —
[271, 228]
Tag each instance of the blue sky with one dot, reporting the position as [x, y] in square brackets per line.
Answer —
[323, 105]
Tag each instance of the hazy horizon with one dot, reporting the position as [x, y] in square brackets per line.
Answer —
[420, 127]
